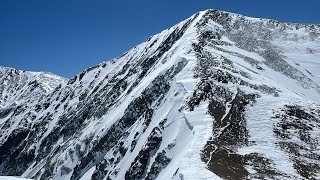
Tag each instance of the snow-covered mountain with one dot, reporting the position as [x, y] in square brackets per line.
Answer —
[217, 96]
[18, 86]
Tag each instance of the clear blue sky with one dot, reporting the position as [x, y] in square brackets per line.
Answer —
[67, 36]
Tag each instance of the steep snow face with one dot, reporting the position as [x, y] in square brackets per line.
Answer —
[218, 96]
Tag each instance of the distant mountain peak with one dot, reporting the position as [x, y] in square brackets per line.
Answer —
[18, 85]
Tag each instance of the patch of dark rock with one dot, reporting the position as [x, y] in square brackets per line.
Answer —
[160, 163]
[65, 170]
[217, 16]
[134, 141]
[73, 80]
[308, 170]
[138, 168]
[13, 159]
[298, 122]
[264, 167]
[227, 165]
[6, 111]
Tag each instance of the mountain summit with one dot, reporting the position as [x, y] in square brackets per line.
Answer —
[217, 96]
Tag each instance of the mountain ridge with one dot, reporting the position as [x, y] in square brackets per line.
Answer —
[15, 82]
[217, 96]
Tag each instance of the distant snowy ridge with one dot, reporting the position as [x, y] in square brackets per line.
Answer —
[217, 96]
[17, 85]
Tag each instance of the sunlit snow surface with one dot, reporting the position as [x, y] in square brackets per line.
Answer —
[12, 178]
[162, 110]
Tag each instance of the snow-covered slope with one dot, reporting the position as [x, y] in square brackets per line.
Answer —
[19, 86]
[218, 96]
[12, 178]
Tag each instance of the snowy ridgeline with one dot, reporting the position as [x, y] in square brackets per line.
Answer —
[218, 96]
[17, 86]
